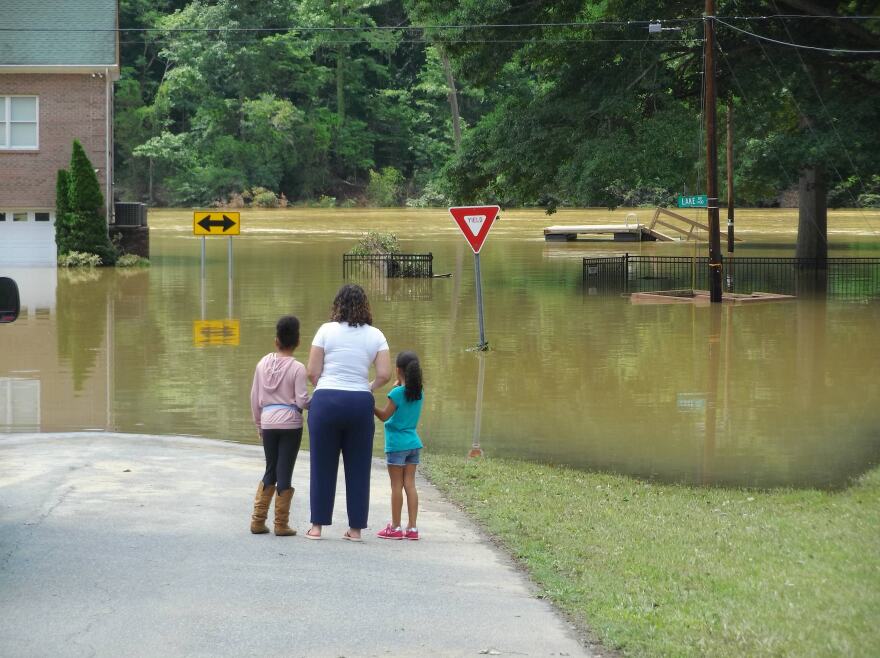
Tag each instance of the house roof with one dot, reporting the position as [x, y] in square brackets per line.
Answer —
[58, 33]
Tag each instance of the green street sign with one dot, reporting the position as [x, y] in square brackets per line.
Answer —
[697, 201]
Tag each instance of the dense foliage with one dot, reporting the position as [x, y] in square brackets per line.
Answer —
[564, 102]
[80, 224]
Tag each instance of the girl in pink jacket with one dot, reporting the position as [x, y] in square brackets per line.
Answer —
[278, 398]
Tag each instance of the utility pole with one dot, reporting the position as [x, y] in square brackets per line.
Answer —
[729, 175]
[712, 156]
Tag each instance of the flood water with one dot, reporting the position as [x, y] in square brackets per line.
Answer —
[762, 395]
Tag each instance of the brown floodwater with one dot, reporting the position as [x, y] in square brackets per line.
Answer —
[763, 395]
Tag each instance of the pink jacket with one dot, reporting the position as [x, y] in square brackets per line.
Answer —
[280, 381]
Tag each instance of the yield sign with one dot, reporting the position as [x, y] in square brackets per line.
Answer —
[475, 222]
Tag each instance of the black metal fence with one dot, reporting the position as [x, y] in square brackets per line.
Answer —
[841, 277]
[393, 266]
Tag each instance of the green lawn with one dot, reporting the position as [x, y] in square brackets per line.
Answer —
[667, 570]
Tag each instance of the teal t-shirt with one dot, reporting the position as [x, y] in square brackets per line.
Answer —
[400, 429]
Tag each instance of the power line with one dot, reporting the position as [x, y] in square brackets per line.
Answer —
[798, 45]
[442, 41]
[829, 17]
[348, 28]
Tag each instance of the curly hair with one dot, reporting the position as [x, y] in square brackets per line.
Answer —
[408, 362]
[352, 306]
[287, 332]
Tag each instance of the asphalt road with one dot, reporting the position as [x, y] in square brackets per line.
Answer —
[127, 545]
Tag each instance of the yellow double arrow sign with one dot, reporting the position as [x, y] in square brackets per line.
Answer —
[216, 332]
[216, 223]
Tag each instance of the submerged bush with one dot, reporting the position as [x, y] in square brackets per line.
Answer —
[79, 259]
[375, 243]
[132, 260]
[430, 197]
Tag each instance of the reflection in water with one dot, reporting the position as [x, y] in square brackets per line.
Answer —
[778, 394]
[81, 318]
[711, 427]
[476, 450]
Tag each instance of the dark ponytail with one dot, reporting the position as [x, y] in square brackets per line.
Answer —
[408, 362]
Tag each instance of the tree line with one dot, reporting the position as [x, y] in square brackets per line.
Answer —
[426, 102]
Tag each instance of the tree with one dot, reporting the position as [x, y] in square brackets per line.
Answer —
[204, 110]
[587, 108]
[83, 227]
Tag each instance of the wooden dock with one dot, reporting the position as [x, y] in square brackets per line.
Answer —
[675, 227]
[619, 232]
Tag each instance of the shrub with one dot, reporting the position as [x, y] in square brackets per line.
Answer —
[88, 234]
[84, 191]
[651, 193]
[80, 225]
[430, 197]
[236, 200]
[375, 243]
[384, 188]
[266, 199]
[868, 201]
[132, 260]
[79, 259]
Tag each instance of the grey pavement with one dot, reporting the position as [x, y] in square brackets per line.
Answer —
[129, 545]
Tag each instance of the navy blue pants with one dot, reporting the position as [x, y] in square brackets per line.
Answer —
[341, 422]
[280, 448]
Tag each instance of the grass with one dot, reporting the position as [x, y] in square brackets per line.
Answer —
[667, 570]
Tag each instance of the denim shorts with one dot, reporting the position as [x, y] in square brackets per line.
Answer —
[403, 457]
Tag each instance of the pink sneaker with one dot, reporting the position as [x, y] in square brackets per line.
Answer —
[390, 533]
[412, 533]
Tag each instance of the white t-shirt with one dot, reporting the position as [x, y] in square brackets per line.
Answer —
[348, 353]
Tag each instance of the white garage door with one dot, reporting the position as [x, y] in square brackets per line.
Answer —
[27, 238]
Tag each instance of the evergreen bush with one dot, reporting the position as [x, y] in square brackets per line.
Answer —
[80, 225]
[85, 191]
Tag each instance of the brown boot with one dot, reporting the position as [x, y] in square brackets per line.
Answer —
[261, 508]
[282, 514]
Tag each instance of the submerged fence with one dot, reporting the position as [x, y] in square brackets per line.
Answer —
[393, 266]
[840, 277]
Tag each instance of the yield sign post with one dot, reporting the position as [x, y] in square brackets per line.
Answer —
[474, 223]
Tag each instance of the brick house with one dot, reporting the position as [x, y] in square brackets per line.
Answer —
[58, 61]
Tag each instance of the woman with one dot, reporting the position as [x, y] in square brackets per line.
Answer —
[341, 413]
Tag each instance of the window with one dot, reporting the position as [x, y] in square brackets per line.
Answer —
[19, 217]
[2, 216]
[18, 122]
[41, 216]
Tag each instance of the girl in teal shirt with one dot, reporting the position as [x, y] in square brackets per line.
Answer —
[402, 444]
